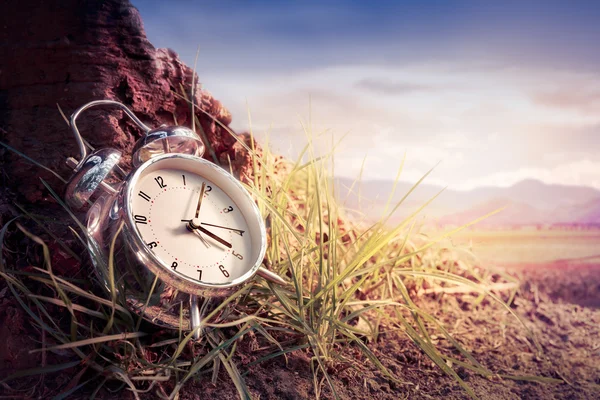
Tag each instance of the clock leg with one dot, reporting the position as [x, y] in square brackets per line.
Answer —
[195, 316]
[271, 276]
[197, 312]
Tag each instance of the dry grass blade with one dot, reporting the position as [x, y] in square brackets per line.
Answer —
[65, 299]
[87, 342]
[65, 285]
[75, 307]
[42, 370]
[238, 381]
[50, 233]
[33, 161]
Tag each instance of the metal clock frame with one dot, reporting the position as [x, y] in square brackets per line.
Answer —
[162, 269]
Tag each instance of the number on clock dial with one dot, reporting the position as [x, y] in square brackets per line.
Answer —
[160, 181]
[224, 271]
[237, 255]
[144, 196]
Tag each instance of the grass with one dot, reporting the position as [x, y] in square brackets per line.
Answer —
[350, 283]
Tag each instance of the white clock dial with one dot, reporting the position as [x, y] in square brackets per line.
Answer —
[163, 200]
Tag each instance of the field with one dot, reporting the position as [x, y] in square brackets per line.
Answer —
[565, 264]
[531, 246]
[558, 299]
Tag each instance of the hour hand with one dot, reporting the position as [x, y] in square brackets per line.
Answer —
[212, 235]
[194, 225]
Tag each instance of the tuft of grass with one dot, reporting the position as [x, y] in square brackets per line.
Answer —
[350, 283]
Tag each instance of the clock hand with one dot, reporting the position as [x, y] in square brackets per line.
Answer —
[212, 235]
[204, 242]
[241, 232]
[198, 212]
[197, 234]
[191, 225]
[200, 199]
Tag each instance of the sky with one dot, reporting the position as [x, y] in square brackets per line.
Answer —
[495, 92]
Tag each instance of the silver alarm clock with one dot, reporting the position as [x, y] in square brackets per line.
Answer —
[175, 228]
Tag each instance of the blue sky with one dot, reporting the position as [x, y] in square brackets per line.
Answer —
[496, 91]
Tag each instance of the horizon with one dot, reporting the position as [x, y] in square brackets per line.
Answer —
[497, 93]
[521, 182]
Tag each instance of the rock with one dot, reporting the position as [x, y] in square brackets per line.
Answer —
[70, 52]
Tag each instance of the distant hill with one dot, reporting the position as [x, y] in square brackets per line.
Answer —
[586, 213]
[514, 213]
[528, 202]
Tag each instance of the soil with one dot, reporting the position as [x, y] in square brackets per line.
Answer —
[559, 301]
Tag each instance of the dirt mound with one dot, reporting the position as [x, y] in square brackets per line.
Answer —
[77, 52]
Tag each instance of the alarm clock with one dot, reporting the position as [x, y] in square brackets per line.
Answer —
[175, 228]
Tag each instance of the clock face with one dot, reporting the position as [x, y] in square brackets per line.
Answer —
[195, 220]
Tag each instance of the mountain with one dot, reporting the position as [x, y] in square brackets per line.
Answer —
[513, 213]
[587, 213]
[549, 196]
[528, 202]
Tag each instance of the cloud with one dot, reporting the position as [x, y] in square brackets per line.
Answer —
[389, 87]
[583, 172]
[583, 99]
[482, 125]
[574, 138]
